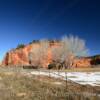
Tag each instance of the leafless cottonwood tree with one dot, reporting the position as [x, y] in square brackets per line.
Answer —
[39, 54]
[56, 53]
[72, 47]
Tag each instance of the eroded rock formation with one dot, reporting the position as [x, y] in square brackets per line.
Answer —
[21, 56]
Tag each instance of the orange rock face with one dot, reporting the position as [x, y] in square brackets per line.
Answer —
[20, 57]
[17, 57]
[82, 63]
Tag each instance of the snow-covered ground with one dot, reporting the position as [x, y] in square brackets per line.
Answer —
[91, 78]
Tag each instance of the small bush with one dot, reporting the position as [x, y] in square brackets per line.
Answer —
[51, 66]
[20, 46]
[95, 60]
[34, 41]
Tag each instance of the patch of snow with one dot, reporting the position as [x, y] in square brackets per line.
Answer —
[91, 78]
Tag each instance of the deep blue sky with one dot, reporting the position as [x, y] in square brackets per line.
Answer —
[22, 21]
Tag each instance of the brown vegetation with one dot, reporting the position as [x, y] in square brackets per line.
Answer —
[16, 85]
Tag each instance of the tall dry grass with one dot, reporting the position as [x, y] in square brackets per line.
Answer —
[15, 85]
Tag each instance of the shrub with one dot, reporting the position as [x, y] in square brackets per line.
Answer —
[20, 46]
[34, 41]
[51, 66]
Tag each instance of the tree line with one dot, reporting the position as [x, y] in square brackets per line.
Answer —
[70, 48]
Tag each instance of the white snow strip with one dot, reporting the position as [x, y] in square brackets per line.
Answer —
[91, 78]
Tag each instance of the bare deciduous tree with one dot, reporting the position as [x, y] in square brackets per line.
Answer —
[39, 54]
[56, 53]
[44, 45]
[72, 47]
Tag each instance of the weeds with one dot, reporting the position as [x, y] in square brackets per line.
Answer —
[18, 86]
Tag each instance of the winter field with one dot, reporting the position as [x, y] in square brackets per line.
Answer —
[87, 76]
[39, 84]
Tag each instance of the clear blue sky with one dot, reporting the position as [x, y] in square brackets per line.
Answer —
[22, 21]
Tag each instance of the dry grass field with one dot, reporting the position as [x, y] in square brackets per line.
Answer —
[16, 85]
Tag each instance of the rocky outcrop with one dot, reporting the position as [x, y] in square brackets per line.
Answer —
[20, 57]
[17, 56]
[82, 62]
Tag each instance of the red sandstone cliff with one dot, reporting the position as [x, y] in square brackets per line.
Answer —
[82, 63]
[20, 57]
[17, 56]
